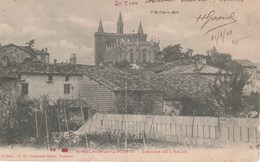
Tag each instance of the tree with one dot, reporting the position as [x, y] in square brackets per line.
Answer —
[172, 53]
[218, 59]
[7, 115]
[123, 65]
[30, 43]
[228, 89]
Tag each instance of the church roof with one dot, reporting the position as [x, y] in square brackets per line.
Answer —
[100, 27]
[120, 20]
[140, 29]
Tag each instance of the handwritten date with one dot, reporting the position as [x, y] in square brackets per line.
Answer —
[221, 35]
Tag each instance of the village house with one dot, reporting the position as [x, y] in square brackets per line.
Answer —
[96, 89]
[109, 89]
[18, 54]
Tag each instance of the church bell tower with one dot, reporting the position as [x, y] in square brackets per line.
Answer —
[120, 24]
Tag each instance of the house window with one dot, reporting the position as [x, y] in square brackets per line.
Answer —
[19, 76]
[25, 88]
[67, 78]
[50, 78]
[42, 58]
[66, 88]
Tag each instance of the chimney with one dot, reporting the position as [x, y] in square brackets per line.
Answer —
[46, 49]
[73, 59]
[55, 61]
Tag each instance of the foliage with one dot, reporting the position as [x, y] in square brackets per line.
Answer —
[198, 107]
[7, 114]
[30, 43]
[172, 53]
[218, 59]
[228, 89]
[123, 65]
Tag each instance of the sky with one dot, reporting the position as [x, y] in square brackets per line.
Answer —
[68, 26]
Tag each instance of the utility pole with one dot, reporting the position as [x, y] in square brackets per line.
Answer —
[36, 123]
[83, 120]
[65, 114]
[47, 131]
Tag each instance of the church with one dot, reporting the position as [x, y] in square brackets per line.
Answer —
[117, 47]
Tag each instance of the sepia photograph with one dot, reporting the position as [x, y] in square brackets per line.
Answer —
[130, 80]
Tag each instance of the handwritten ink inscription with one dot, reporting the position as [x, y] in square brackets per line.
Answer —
[221, 35]
[236, 41]
[223, 20]
[158, 1]
[164, 12]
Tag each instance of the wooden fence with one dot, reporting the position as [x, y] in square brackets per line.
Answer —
[180, 129]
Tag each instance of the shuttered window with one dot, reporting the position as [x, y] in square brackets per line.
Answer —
[25, 88]
[66, 88]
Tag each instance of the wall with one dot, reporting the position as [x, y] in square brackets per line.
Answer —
[97, 96]
[123, 52]
[102, 99]
[14, 54]
[143, 102]
[39, 86]
[179, 129]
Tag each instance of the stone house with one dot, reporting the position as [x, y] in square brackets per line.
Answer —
[100, 89]
[18, 54]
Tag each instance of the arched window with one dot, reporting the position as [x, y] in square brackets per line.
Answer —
[131, 57]
[5, 60]
[144, 56]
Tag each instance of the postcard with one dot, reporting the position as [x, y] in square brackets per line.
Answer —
[129, 80]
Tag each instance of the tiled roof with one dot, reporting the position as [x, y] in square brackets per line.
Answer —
[34, 51]
[31, 51]
[117, 79]
[177, 86]
[167, 66]
[43, 68]
[257, 66]
[245, 62]
[199, 68]
[7, 74]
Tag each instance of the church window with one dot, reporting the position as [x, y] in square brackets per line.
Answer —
[144, 56]
[131, 57]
